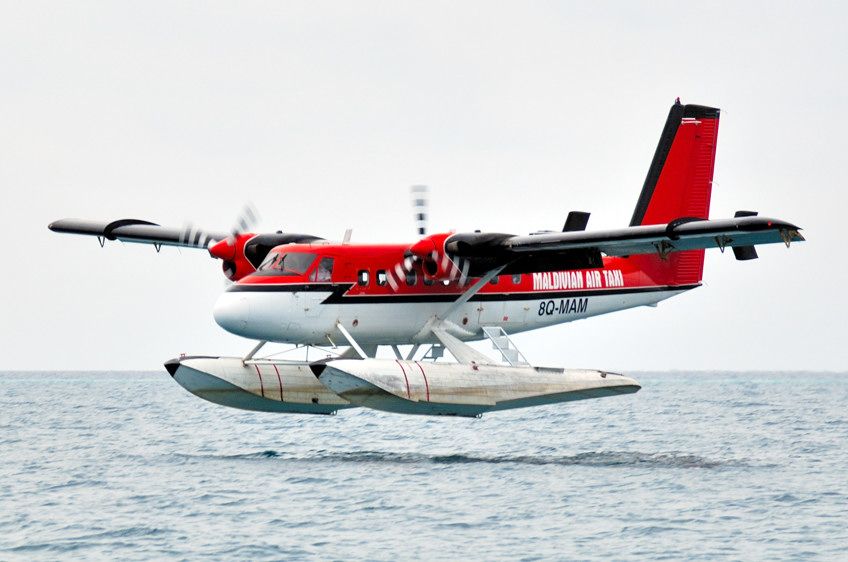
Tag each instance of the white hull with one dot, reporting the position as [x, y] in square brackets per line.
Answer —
[301, 317]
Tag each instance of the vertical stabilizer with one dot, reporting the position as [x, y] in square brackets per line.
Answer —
[679, 185]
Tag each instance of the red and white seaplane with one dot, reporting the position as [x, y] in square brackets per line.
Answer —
[449, 288]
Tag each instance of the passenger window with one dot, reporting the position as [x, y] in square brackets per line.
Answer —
[362, 277]
[324, 272]
[516, 279]
[427, 281]
[411, 278]
[381, 277]
[494, 280]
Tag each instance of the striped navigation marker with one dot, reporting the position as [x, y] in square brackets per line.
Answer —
[419, 208]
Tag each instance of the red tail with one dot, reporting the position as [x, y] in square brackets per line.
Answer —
[678, 186]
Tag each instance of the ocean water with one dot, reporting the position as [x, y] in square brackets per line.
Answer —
[706, 466]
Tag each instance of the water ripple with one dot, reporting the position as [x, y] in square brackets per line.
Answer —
[696, 467]
[596, 459]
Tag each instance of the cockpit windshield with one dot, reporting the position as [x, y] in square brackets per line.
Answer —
[286, 264]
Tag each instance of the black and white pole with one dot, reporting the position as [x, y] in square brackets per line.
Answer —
[419, 208]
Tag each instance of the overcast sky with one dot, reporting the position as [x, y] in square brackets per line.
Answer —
[323, 114]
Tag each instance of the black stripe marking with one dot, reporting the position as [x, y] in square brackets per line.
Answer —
[338, 296]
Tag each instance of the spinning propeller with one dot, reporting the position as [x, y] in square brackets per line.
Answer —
[231, 249]
[200, 238]
[429, 252]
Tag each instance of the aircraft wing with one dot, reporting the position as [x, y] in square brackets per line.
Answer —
[689, 235]
[139, 231]
[241, 252]
[584, 249]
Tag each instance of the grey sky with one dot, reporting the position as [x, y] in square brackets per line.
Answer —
[322, 114]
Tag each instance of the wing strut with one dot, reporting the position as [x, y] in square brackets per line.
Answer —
[253, 351]
[351, 341]
[473, 290]
[439, 325]
[463, 352]
[412, 352]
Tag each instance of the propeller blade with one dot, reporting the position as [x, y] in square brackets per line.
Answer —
[463, 272]
[390, 277]
[197, 237]
[246, 219]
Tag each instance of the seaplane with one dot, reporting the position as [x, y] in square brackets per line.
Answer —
[446, 289]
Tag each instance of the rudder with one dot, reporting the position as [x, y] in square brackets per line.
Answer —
[679, 181]
[679, 185]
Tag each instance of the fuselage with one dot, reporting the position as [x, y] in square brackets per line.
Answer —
[303, 291]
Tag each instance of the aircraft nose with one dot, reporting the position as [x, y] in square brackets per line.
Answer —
[232, 312]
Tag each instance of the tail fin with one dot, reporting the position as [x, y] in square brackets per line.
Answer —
[679, 184]
[679, 181]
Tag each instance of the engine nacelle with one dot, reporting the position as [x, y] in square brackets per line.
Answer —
[231, 251]
[436, 265]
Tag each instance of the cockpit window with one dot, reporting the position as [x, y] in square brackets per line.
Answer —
[324, 271]
[286, 264]
[269, 260]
